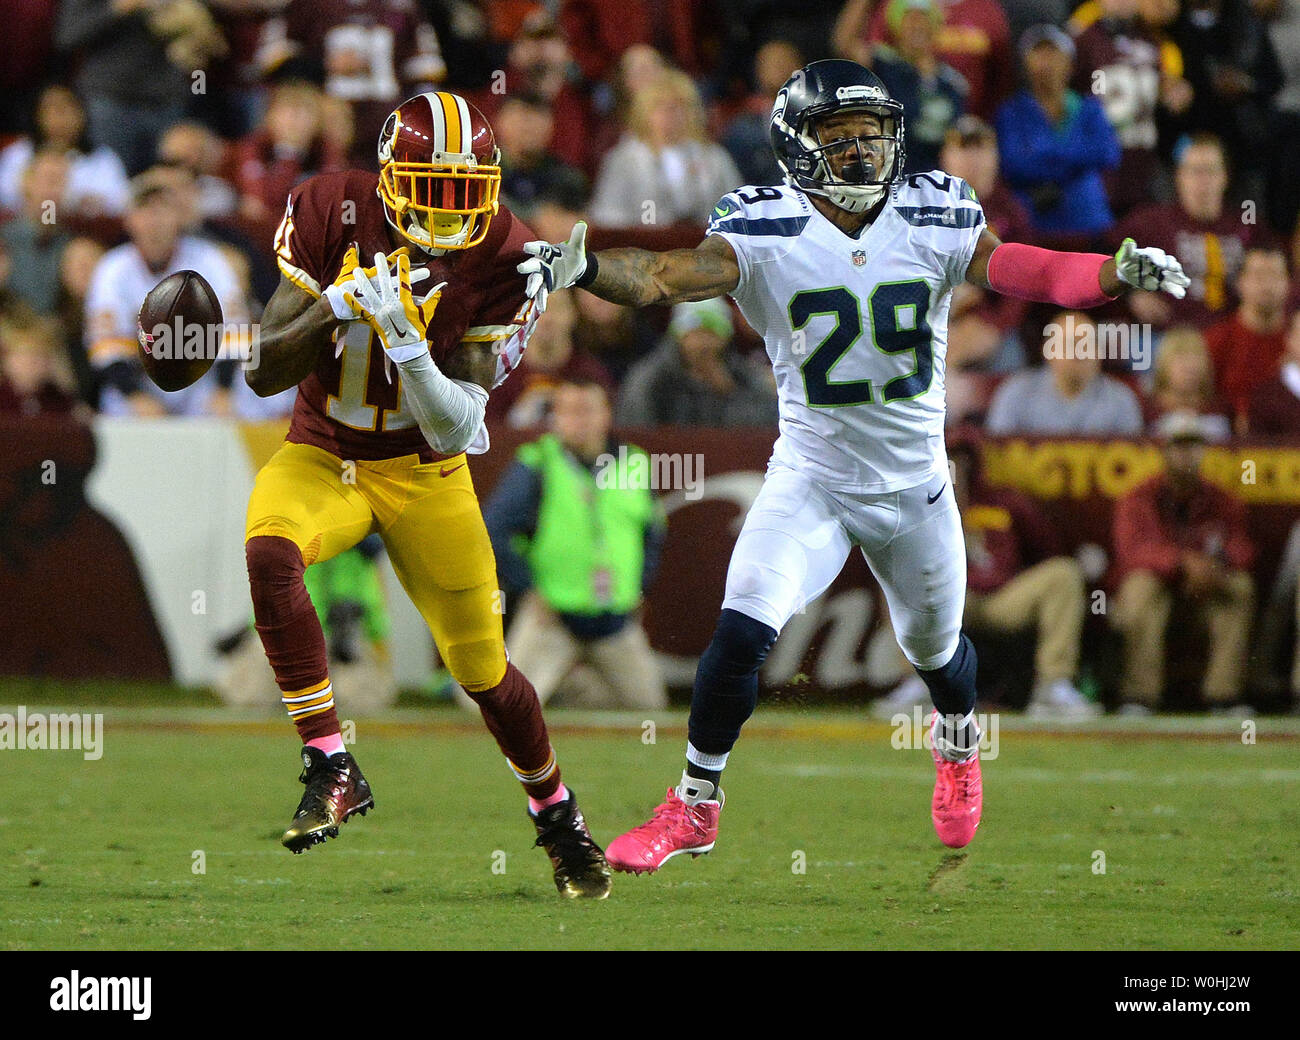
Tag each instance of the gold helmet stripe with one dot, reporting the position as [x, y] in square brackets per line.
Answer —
[451, 117]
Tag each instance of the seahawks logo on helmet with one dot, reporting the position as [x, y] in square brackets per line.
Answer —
[868, 164]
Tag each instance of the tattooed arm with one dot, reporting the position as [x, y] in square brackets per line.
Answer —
[637, 277]
[473, 362]
[633, 277]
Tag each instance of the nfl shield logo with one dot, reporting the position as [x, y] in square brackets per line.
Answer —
[859, 257]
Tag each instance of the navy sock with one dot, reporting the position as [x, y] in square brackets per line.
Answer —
[726, 684]
[952, 688]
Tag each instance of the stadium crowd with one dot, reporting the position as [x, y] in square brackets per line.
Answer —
[136, 132]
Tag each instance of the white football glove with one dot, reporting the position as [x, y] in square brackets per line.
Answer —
[1150, 269]
[384, 299]
[336, 294]
[554, 265]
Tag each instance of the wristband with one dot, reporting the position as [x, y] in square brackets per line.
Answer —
[589, 274]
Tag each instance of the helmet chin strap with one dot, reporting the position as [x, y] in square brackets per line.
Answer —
[855, 198]
[430, 249]
[852, 198]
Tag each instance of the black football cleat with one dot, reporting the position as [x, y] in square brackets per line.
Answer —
[580, 867]
[335, 791]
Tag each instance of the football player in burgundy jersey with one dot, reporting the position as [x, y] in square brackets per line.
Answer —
[393, 364]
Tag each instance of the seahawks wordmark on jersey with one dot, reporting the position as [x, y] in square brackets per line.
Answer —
[856, 327]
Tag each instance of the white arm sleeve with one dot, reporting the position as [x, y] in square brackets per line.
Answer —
[449, 411]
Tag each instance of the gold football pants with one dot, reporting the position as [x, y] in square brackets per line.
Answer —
[429, 519]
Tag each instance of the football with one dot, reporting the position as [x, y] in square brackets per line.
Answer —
[179, 330]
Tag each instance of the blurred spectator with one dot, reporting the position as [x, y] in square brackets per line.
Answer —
[1282, 156]
[193, 147]
[664, 170]
[1017, 580]
[236, 99]
[80, 258]
[158, 247]
[25, 68]
[374, 53]
[539, 63]
[339, 127]
[1021, 14]
[695, 378]
[599, 32]
[1179, 537]
[556, 209]
[136, 59]
[982, 325]
[1208, 237]
[288, 147]
[974, 39]
[34, 238]
[525, 398]
[578, 535]
[1055, 143]
[1069, 395]
[619, 336]
[1275, 404]
[96, 177]
[1233, 72]
[35, 378]
[748, 137]
[639, 66]
[10, 304]
[932, 92]
[348, 595]
[529, 170]
[1183, 381]
[1119, 60]
[1247, 347]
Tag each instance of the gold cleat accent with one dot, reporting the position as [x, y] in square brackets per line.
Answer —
[336, 791]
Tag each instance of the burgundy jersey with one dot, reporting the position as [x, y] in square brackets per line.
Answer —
[352, 404]
[374, 52]
[1211, 254]
[1120, 63]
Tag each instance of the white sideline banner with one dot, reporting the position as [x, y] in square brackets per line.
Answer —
[178, 491]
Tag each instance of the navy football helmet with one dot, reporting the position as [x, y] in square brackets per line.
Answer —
[868, 164]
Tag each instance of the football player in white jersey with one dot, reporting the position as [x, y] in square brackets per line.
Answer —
[847, 271]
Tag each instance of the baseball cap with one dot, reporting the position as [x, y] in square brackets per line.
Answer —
[1046, 33]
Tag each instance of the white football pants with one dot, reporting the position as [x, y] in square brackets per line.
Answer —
[798, 535]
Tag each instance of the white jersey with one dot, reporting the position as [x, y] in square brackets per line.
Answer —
[119, 284]
[856, 327]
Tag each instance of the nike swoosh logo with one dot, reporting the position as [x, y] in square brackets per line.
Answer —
[932, 499]
[722, 211]
[443, 471]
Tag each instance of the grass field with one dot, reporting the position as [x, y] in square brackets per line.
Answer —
[1197, 831]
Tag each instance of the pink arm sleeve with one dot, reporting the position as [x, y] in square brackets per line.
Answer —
[1046, 276]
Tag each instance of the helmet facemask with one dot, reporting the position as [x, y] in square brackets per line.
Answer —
[440, 206]
[867, 163]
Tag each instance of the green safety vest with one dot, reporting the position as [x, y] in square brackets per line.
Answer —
[588, 551]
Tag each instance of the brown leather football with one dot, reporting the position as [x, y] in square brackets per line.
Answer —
[179, 330]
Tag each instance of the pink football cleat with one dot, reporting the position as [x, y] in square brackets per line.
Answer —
[675, 827]
[958, 794]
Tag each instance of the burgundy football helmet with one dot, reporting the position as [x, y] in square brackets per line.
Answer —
[439, 172]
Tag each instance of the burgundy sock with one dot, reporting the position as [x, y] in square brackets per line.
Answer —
[291, 635]
[514, 716]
